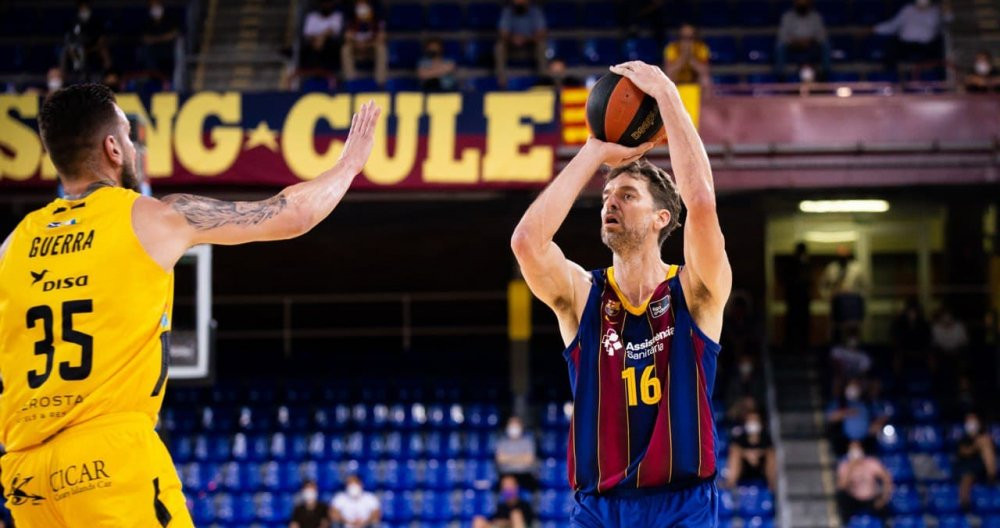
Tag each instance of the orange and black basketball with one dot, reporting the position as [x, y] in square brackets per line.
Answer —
[619, 112]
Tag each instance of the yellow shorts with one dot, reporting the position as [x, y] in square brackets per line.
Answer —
[109, 471]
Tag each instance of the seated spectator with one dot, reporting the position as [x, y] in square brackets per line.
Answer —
[751, 454]
[747, 382]
[54, 79]
[515, 454]
[802, 38]
[983, 77]
[522, 37]
[976, 458]
[864, 485]
[916, 29]
[435, 71]
[686, 59]
[159, 38]
[851, 419]
[309, 513]
[364, 41]
[354, 507]
[512, 510]
[557, 76]
[86, 53]
[323, 35]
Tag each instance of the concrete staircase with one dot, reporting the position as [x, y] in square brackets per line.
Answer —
[806, 462]
[241, 45]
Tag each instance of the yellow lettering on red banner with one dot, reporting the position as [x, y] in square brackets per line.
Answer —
[159, 129]
[18, 138]
[225, 141]
[506, 134]
[298, 134]
[440, 166]
[382, 168]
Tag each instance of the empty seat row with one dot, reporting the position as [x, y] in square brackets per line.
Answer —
[942, 498]
[925, 438]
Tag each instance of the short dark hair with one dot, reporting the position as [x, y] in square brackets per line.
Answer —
[73, 121]
[661, 186]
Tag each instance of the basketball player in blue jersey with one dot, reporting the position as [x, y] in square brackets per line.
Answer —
[642, 335]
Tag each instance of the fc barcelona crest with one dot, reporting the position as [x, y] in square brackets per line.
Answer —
[612, 308]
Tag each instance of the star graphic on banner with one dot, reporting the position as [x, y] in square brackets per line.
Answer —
[262, 135]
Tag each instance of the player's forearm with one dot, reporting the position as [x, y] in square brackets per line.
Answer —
[314, 200]
[547, 213]
[688, 158]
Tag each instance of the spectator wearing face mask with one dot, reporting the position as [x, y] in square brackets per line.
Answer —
[309, 513]
[864, 485]
[983, 78]
[159, 37]
[435, 71]
[848, 360]
[916, 30]
[976, 458]
[512, 511]
[354, 507]
[86, 52]
[365, 41]
[851, 419]
[747, 383]
[751, 454]
[516, 454]
[802, 38]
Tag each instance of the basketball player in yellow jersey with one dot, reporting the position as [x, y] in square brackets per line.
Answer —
[86, 288]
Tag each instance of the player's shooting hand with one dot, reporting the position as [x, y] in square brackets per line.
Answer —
[613, 154]
[646, 77]
[361, 137]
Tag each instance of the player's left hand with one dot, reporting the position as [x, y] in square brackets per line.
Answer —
[646, 77]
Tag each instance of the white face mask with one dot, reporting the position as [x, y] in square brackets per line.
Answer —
[923, 3]
[807, 75]
[84, 14]
[514, 431]
[852, 392]
[156, 11]
[309, 495]
[983, 67]
[363, 11]
[971, 427]
[55, 84]
[354, 489]
[746, 368]
[855, 454]
[753, 427]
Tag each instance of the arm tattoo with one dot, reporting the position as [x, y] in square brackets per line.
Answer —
[208, 213]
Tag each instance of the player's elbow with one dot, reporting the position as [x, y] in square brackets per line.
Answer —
[701, 202]
[297, 221]
[524, 243]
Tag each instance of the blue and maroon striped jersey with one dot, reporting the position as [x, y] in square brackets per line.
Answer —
[642, 380]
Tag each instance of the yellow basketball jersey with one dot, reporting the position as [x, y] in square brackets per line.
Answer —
[84, 319]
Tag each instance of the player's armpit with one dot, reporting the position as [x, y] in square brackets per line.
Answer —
[560, 283]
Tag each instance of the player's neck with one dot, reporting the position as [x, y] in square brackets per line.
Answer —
[83, 186]
[638, 274]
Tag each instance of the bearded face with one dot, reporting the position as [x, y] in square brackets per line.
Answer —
[628, 214]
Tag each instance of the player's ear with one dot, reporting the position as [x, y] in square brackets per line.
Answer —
[113, 149]
[662, 219]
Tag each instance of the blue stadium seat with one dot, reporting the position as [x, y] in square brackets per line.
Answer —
[405, 17]
[224, 507]
[874, 48]
[404, 54]
[908, 521]
[203, 512]
[757, 13]
[600, 15]
[942, 498]
[602, 51]
[926, 438]
[755, 501]
[482, 15]
[923, 410]
[550, 444]
[986, 499]
[890, 440]
[191, 476]
[330, 476]
[548, 474]
[844, 77]
[553, 415]
[553, 505]
[444, 17]
[899, 467]
[758, 49]
[714, 13]
[869, 12]
[722, 49]
[182, 448]
[842, 49]
[762, 78]
[864, 521]
[647, 50]
[521, 83]
[758, 522]
[478, 54]
[562, 15]
[953, 521]
[906, 500]
[883, 76]
[991, 521]
[726, 79]
[484, 416]
[566, 49]
[244, 508]
[727, 504]
[354, 446]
